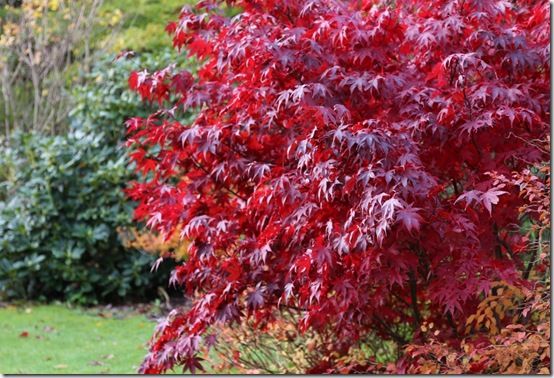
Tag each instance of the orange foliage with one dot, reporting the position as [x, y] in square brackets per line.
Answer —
[502, 301]
[154, 243]
[518, 348]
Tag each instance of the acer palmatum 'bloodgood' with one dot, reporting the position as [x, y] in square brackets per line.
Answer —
[340, 162]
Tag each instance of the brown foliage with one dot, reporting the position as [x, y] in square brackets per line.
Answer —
[522, 347]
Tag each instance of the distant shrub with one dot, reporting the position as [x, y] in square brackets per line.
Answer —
[58, 221]
[62, 202]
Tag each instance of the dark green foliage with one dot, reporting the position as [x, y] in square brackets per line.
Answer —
[58, 236]
[62, 202]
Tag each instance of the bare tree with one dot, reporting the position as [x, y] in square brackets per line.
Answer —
[40, 41]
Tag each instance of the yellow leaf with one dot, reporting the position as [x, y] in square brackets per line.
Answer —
[54, 5]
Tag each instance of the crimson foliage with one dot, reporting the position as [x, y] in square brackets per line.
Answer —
[340, 162]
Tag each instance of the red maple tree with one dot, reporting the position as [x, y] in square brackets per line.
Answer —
[341, 162]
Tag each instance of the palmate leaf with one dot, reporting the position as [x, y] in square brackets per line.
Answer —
[410, 218]
[487, 199]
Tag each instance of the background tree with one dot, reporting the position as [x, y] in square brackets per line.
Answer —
[39, 42]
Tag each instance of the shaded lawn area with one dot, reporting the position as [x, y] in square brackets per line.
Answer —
[55, 339]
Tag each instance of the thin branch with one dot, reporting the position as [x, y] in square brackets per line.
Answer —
[200, 166]
[393, 334]
[536, 252]
[413, 295]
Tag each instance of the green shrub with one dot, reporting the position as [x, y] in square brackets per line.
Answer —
[58, 237]
[62, 202]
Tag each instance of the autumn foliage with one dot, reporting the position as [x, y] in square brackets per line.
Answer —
[366, 164]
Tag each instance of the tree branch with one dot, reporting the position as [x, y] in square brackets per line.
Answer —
[413, 295]
[200, 166]
[395, 336]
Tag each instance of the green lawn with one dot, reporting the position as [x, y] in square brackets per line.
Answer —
[55, 339]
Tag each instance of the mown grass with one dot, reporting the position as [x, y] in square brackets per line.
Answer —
[56, 339]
